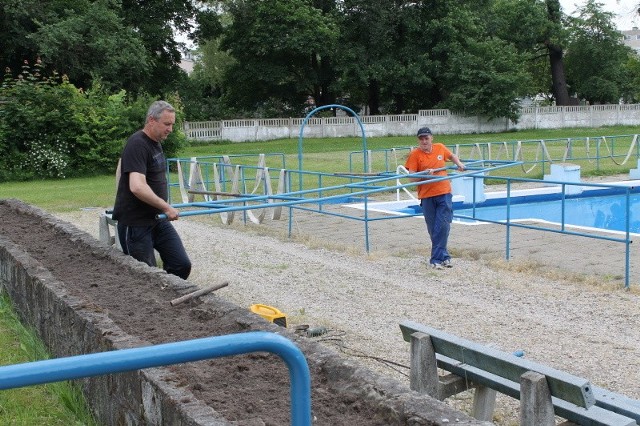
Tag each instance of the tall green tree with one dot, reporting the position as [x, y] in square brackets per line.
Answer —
[555, 48]
[19, 20]
[477, 73]
[596, 56]
[202, 92]
[126, 43]
[157, 22]
[282, 51]
[537, 30]
[367, 58]
[91, 42]
[406, 55]
[631, 84]
[485, 79]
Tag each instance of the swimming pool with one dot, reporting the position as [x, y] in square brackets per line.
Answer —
[602, 208]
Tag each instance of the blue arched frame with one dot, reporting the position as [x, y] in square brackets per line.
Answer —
[311, 114]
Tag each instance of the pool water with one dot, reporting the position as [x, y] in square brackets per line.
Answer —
[593, 211]
[593, 208]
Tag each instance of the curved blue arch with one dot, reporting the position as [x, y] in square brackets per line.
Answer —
[304, 123]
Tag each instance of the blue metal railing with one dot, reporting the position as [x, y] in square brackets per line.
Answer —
[343, 186]
[119, 361]
[333, 106]
[510, 223]
[587, 151]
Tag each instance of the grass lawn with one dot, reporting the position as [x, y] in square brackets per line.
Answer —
[321, 155]
[52, 404]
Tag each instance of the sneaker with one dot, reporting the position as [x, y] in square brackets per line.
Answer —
[447, 263]
[436, 266]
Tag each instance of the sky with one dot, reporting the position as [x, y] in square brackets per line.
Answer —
[625, 10]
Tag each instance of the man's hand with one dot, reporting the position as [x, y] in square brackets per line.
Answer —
[172, 213]
[140, 188]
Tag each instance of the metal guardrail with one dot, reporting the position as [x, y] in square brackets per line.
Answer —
[573, 398]
[509, 223]
[592, 153]
[332, 188]
[119, 361]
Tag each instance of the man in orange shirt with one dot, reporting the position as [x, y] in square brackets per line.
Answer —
[435, 197]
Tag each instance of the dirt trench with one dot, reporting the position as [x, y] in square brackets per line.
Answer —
[246, 389]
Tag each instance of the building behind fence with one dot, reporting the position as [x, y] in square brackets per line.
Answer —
[441, 121]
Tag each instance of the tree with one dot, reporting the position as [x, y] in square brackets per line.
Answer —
[596, 56]
[536, 30]
[282, 51]
[473, 72]
[156, 22]
[110, 38]
[367, 59]
[202, 92]
[407, 55]
[484, 79]
[92, 43]
[556, 54]
[18, 21]
[631, 84]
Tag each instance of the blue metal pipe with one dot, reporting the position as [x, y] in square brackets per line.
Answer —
[294, 201]
[119, 361]
[627, 248]
[311, 113]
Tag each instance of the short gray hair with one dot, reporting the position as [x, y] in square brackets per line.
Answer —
[157, 108]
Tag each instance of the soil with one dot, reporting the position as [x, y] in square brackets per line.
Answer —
[240, 388]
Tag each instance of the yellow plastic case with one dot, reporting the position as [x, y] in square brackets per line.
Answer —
[270, 314]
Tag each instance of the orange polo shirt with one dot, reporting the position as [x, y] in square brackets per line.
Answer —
[419, 161]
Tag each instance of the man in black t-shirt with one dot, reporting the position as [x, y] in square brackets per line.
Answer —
[142, 194]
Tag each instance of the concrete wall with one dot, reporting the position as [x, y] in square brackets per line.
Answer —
[72, 326]
[441, 121]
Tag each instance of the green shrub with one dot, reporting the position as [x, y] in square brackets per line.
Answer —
[51, 129]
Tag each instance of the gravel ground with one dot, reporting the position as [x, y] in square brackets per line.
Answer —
[585, 330]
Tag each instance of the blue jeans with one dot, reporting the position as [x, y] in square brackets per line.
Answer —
[140, 242]
[438, 214]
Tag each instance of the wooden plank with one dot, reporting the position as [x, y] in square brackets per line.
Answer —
[561, 385]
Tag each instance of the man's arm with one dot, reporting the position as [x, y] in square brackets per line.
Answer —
[454, 158]
[419, 179]
[141, 189]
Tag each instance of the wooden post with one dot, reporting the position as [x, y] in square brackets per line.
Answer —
[424, 368]
[536, 407]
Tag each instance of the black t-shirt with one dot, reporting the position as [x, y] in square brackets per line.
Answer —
[141, 154]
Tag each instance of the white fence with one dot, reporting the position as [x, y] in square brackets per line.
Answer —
[441, 121]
